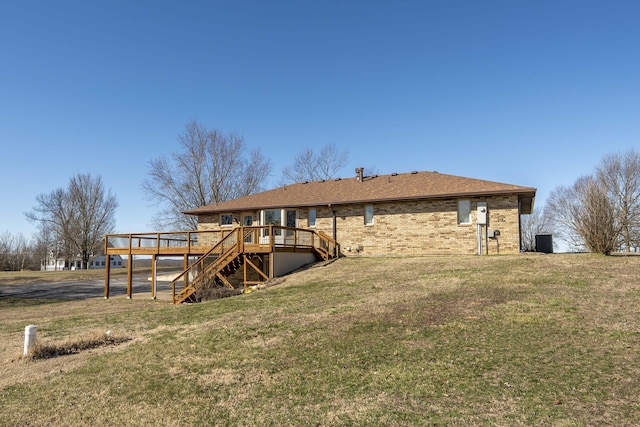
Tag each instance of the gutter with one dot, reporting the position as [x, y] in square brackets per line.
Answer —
[334, 217]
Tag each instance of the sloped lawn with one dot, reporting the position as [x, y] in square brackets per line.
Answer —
[506, 340]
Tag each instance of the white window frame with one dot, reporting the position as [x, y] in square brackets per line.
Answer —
[464, 212]
[311, 219]
[263, 220]
[368, 215]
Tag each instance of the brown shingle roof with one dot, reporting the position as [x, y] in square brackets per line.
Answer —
[394, 187]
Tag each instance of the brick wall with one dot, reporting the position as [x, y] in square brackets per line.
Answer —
[411, 228]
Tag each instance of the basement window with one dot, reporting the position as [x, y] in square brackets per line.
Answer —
[464, 211]
[368, 214]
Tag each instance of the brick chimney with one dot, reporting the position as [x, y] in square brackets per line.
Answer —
[360, 174]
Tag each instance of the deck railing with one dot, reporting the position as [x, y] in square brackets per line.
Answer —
[203, 269]
[248, 239]
[188, 244]
[181, 242]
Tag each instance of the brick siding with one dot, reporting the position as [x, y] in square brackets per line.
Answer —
[416, 227]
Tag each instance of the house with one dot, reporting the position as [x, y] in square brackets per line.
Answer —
[57, 264]
[54, 264]
[416, 213]
[252, 239]
[100, 260]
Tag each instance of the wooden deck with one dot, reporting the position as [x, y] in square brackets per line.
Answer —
[193, 246]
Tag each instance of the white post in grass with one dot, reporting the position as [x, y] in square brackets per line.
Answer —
[29, 337]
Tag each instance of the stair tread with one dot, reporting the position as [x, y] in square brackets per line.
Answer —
[218, 268]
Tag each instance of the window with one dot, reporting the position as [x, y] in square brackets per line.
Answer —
[291, 218]
[464, 212]
[368, 215]
[226, 219]
[247, 220]
[273, 216]
[312, 217]
[292, 221]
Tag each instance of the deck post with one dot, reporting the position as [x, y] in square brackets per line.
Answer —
[244, 267]
[154, 274]
[271, 263]
[130, 270]
[107, 271]
[185, 265]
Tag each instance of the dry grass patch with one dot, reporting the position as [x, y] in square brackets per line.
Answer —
[46, 350]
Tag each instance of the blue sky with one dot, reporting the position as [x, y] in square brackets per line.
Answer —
[532, 93]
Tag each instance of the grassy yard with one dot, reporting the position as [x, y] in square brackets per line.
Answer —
[494, 340]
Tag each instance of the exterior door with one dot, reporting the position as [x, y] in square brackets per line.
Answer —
[247, 221]
[269, 217]
[291, 221]
[281, 218]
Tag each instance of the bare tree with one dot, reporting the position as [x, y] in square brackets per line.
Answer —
[600, 226]
[532, 225]
[6, 249]
[211, 167]
[21, 252]
[584, 216]
[620, 175]
[93, 213]
[78, 217]
[635, 239]
[311, 166]
[44, 246]
[601, 212]
[54, 213]
[15, 252]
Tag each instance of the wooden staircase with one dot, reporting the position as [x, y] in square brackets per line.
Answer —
[210, 270]
[326, 248]
[214, 268]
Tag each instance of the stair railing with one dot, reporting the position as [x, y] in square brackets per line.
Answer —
[199, 269]
[326, 246]
[233, 244]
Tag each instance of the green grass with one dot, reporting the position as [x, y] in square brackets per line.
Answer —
[508, 340]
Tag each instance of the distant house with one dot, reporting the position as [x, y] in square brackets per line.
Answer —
[416, 213]
[53, 264]
[100, 261]
[58, 264]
